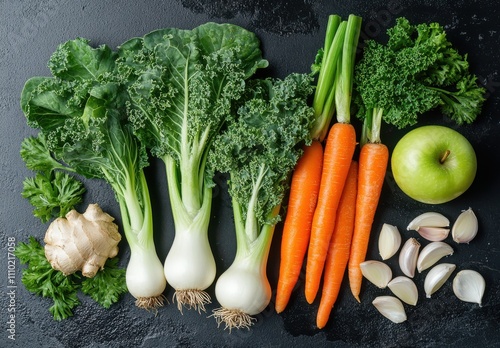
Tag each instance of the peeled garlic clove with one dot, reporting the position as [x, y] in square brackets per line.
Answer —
[465, 227]
[391, 308]
[378, 273]
[433, 234]
[430, 219]
[408, 257]
[431, 254]
[389, 241]
[469, 285]
[437, 276]
[405, 289]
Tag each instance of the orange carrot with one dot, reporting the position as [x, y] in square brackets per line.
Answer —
[373, 159]
[297, 226]
[340, 246]
[337, 158]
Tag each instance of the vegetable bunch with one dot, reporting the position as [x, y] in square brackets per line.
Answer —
[80, 112]
[259, 150]
[168, 92]
[182, 84]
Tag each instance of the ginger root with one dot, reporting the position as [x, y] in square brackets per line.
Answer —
[82, 242]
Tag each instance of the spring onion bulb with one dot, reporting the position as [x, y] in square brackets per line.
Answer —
[144, 277]
[243, 290]
[259, 150]
[189, 266]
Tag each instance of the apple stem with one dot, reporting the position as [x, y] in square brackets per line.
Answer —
[444, 157]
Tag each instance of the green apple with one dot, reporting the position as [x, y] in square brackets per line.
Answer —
[433, 164]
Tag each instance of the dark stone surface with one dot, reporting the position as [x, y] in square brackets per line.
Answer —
[291, 32]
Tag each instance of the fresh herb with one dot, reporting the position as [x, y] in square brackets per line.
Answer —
[51, 192]
[41, 279]
[107, 286]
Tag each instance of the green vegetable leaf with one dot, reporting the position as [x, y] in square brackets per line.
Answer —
[37, 156]
[75, 60]
[317, 64]
[107, 286]
[52, 194]
[260, 148]
[185, 82]
[81, 112]
[463, 104]
[182, 85]
[416, 71]
[41, 279]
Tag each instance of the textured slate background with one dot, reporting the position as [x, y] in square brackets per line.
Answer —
[291, 32]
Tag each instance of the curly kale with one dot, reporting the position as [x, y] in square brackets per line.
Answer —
[260, 148]
[417, 70]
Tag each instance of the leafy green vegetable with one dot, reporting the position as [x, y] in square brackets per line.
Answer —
[182, 84]
[81, 114]
[416, 71]
[41, 279]
[259, 149]
[37, 156]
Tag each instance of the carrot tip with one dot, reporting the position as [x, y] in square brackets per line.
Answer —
[310, 298]
[321, 322]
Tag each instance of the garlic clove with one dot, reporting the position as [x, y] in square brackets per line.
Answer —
[465, 227]
[408, 257]
[405, 289]
[437, 276]
[390, 307]
[469, 285]
[378, 273]
[389, 241]
[431, 254]
[433, 234]
[429, 219]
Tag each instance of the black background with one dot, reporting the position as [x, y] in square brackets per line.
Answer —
[291, 32]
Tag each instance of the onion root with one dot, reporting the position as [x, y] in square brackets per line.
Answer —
[233, 318]
[192, 298]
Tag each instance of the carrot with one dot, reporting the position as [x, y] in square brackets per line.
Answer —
[339, 151]
[373, 159]
[297, 226]
[340, 246]
[333, 92]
